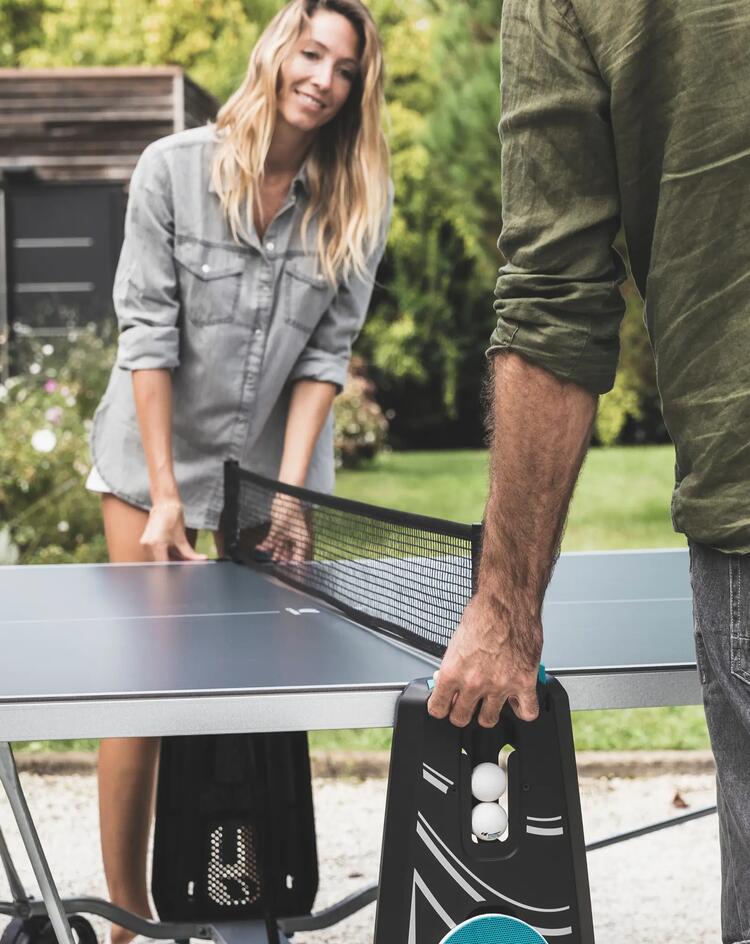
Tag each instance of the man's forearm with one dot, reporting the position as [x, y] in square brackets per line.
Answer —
[541, 428]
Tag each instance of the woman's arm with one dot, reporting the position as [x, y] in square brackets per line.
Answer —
[165, 534]
[310, 404]
[290, 535]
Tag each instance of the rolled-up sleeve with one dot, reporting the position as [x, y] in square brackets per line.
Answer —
[557, 297]
[328, 352]
[145, 293]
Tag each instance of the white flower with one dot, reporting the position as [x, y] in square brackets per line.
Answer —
[3, 393]
[44, 440]
[34, 369]
[70, 401]
[63, 526]
[47, 350]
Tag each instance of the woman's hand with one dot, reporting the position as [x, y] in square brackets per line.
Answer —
[164, 536]
[290, 537]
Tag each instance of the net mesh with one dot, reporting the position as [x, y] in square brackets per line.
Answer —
[403, 574]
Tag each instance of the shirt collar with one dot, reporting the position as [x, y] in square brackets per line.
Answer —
[300, 181]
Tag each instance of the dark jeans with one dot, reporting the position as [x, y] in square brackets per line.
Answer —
[721, 591]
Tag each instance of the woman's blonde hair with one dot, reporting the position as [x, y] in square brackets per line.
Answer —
[348, 163]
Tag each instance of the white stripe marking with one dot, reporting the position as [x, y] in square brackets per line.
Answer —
[459, 879]
[419, 882]
[442, 787]
[61, 242]
[113, 618]
[544, 819]
[29, 288]
[438, 774]
[544, 831]
[616, 601]
[479, 881]
[413, 915]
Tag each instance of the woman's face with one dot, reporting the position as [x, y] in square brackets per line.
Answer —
[318, 74]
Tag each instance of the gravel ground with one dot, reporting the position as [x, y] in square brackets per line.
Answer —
[661, 889]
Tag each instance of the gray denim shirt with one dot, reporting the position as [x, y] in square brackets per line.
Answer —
[235, 323]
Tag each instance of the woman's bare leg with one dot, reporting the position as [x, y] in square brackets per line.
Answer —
[127, 766]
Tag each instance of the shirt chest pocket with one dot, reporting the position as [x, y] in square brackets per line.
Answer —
[210, 280]
[307, 294]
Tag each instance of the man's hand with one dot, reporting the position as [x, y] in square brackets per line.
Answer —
[491, 661]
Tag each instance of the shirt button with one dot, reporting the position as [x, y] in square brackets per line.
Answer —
[258, 332]
[205, 269]
[270, 246]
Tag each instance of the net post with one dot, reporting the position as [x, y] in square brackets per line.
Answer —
[477, 532]
[230, 518]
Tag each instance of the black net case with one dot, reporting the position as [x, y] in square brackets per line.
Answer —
[234, 835]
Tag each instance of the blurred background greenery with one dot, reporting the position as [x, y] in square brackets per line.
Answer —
[432, 310]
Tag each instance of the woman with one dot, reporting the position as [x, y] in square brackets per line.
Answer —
[250, 252]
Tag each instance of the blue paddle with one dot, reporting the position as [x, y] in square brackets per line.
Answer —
[493, 929]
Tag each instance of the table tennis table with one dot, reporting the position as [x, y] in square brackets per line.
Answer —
[103, 650]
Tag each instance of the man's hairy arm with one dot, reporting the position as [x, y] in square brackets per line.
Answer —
[541, 430]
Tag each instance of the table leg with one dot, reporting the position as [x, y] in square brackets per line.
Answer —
[14, 792]
[15, 883]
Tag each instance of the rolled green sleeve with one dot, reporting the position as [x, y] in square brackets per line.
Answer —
[557, 298]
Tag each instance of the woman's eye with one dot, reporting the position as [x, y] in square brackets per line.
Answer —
[346, 74]
[309, 53]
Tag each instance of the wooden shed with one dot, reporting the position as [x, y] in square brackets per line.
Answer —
[91, 124]
[69, 140]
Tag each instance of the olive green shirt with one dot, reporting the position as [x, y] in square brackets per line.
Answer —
[636, 114]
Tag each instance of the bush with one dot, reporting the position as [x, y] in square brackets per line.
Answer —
[46, 513]
[360, 428]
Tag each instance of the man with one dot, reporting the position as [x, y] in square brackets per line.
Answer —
[634, 114]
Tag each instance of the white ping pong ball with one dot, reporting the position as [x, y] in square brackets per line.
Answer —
[488, 782]
[488, 821]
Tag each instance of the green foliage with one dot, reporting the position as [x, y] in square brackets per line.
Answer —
[428, 329]
[48, 515]
[360, 428]
[20, 29]
[634, 400]
[211, 39]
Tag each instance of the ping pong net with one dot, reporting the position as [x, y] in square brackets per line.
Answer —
[406, 575]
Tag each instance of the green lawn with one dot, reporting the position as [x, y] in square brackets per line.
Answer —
[622, 501]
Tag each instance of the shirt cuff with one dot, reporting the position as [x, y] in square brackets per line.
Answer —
[314, 364]
[145, 347]
[570, 352]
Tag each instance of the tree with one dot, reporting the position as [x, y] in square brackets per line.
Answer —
[20, 28]
[429, 327]
[211, 39]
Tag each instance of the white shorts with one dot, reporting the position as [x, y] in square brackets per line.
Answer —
[95, 483]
